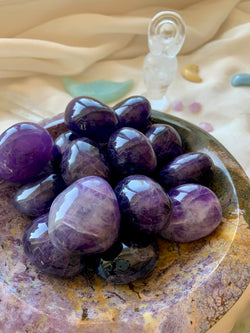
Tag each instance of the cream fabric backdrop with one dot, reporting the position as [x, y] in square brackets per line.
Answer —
[42, 40]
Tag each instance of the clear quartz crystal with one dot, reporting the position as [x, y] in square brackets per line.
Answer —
[166, 35]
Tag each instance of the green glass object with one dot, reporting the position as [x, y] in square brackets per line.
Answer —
[103, 90]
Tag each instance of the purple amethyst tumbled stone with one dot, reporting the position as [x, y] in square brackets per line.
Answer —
[88, 117]
[134, 111]
[25, 149]
[85, 217]
[193, 167]
[196, 212]
[35, 198]
[166, 142]
[44, 255]
[143, 203]
[130, 152]
[82, 158]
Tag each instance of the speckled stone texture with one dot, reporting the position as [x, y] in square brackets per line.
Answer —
[191, 288]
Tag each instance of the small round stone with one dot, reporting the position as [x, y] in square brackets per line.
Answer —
[196, 212]
[177, 106]
[25, 149]
[44, 255]
[206, 126]
[194, 107]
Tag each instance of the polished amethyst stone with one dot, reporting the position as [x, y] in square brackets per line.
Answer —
[35, 199]
[63, 140]
[83, 158]
[134, 111]
[166, 142]
[130, 152]
[143, 203]
[44, 255]
[194, 167]
[131, 261]
[196, 213]
[25, 149]
[85, 217]
[88, 117]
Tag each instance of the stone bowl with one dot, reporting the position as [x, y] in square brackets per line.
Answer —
[192, 287]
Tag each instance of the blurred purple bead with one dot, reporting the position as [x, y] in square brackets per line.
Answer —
[35, 199]
[42, 253]
[85, 217]
[193, 167]
[194, 107]
[177, 106]
[83, 158]
[196, 213]
[135, 111]
[88, 117]
[166, 142]
[130, 152]
[143, 203]
[25, 149]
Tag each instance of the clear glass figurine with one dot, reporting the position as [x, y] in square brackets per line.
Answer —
[166, 35]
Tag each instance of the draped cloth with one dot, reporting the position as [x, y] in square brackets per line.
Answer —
[41, 41]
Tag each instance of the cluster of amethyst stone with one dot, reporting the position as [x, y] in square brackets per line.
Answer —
[101, 193]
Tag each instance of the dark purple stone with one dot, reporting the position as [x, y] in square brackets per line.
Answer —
[35, 199]
[196, 212]
[42, 253]
[63, 140]
[130, 152]
[131, 261]
[25, 149]
[135, 111]
[143, 203]
[88, 117]
[194, 167]
[83, 158]
[85, 217]
[166, 142]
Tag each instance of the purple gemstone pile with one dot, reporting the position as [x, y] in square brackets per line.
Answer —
[101, 194]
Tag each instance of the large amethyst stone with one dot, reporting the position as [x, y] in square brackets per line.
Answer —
[130, 152]
[25, 149]
[83, 158]
[166, 142]
[143, 203]
[134, 111]
[85, 217]
[193, 167]
[196, 213]
[35, 199]
[86, 116]
[44, 255]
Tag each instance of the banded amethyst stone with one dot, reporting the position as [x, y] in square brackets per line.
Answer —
[130, 152]
[25, 149]
[166, 142]
[83, 158]
[88, 117]
[131, 261]
[143, 203]
[194, 167]
[134, 111]
[44, 255]
[196, 213]
[85, 217]
[35, 199]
